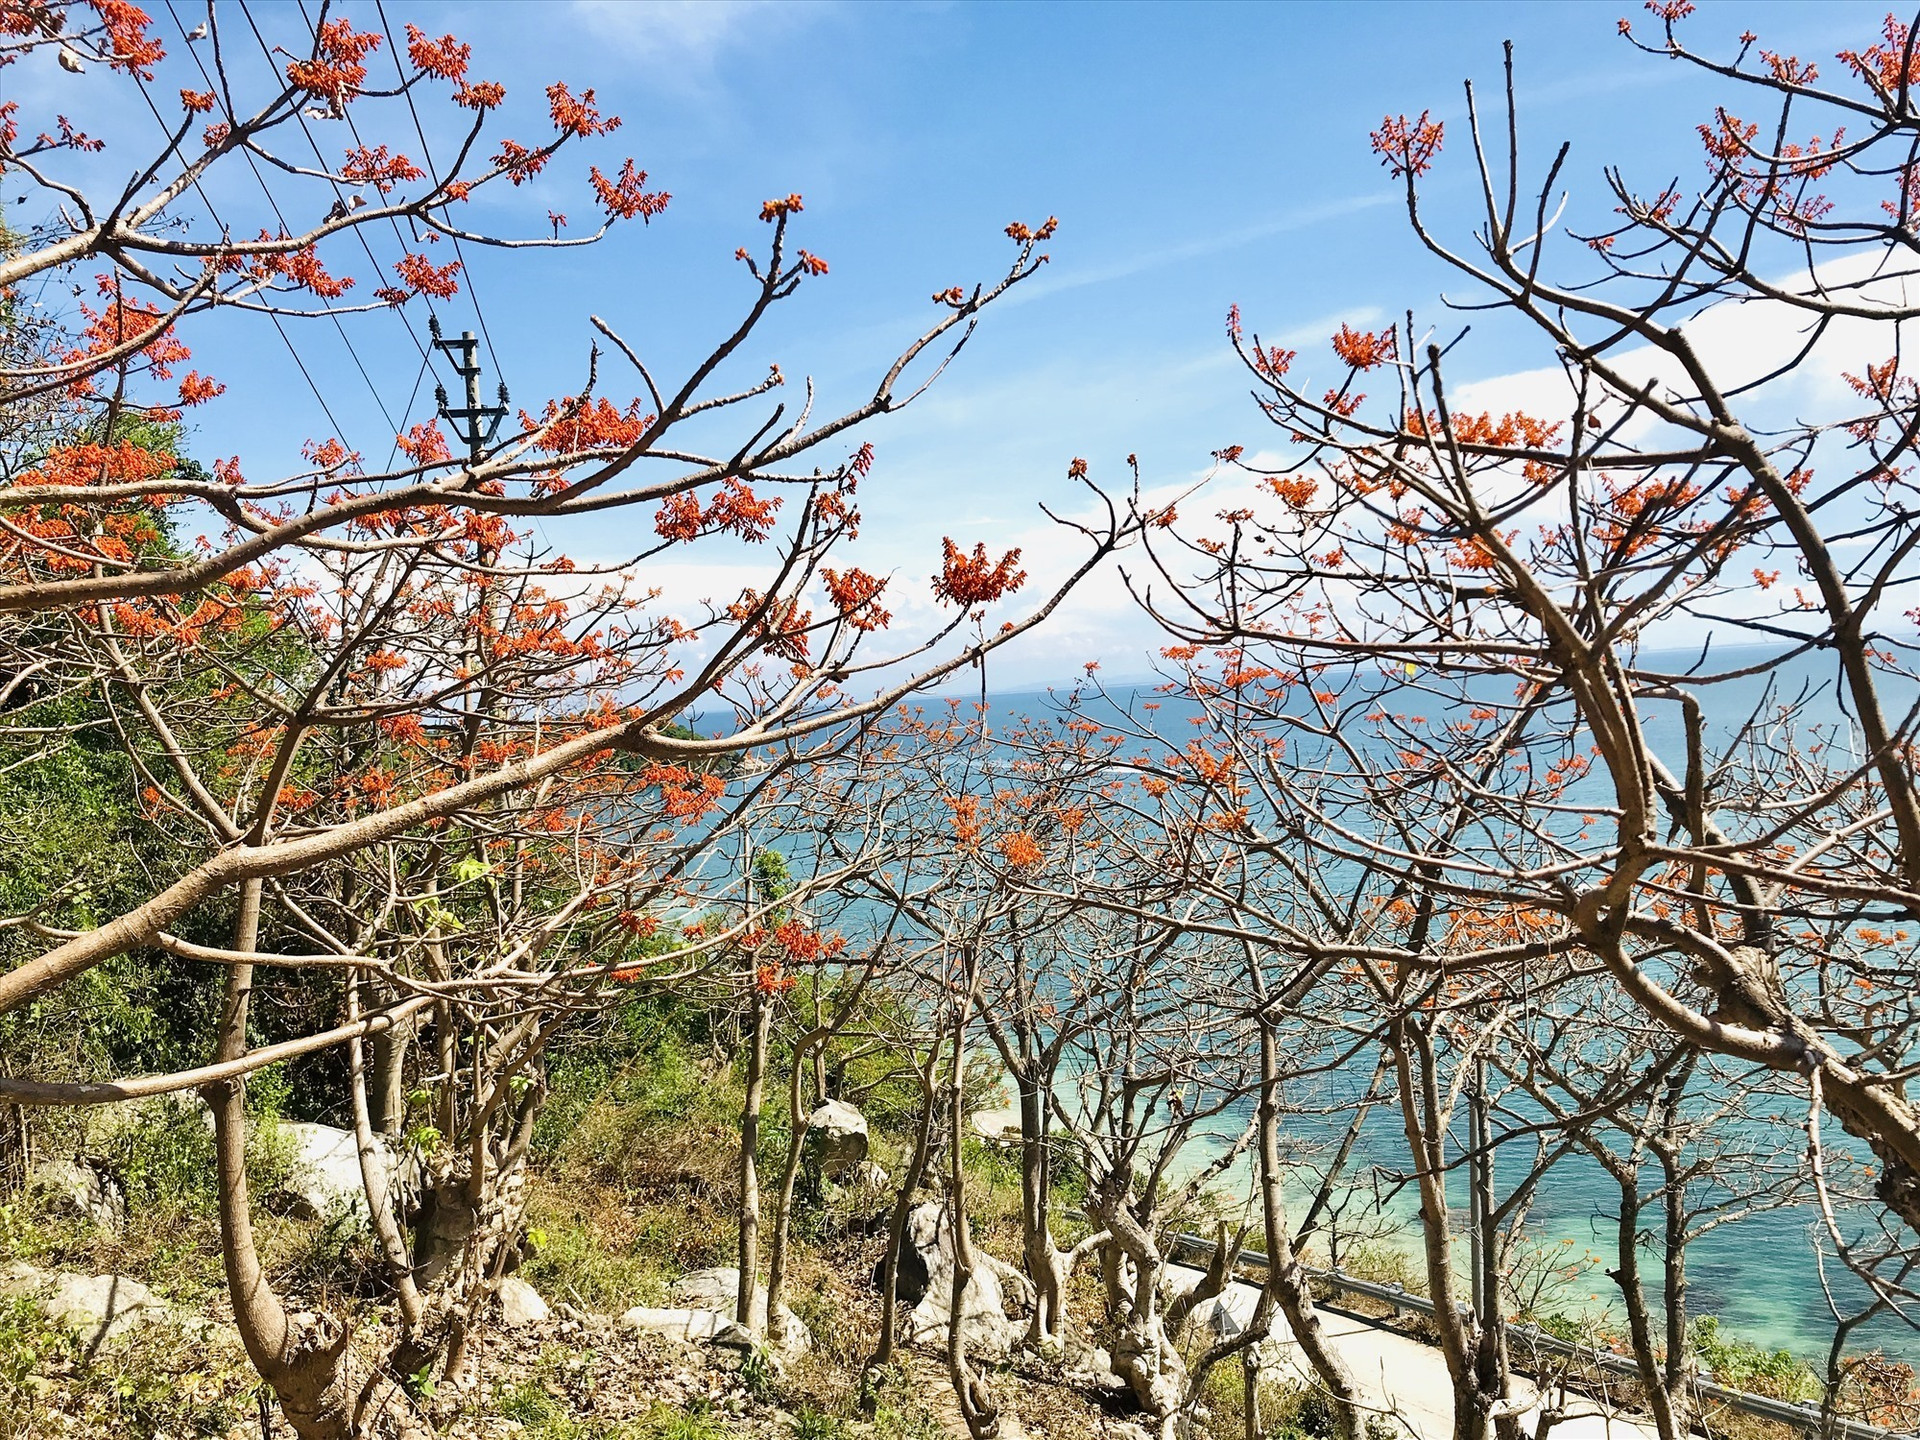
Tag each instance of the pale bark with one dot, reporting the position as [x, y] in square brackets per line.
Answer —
[1462, 1338]
[1287, 1280]
[977, 1405]
[902, 1208]
[760, 1017]
[813, 1043]
[307, 1362]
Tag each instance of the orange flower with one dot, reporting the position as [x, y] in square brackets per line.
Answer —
[424, 444]
[975, 581]
[445, 58]
[426, 278]
[335, 70]
[196, 389]
[1407, 147]
[1021, 850]
[1362, 349]
[854, 594]
[966, 818]
[626, 196]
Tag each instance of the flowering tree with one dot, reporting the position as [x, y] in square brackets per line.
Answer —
[430, 767]
[1461, 604]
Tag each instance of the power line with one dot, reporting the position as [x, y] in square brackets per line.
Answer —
[426, 152]
[285, 339]
[287, 229]
[426, 359]
[359, 233]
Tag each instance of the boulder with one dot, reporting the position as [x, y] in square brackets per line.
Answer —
[1087, 1366]
[716, 1289]
[520, 1304]
[96, 1308]
[717, 1292]
[837, 1138]
[691, 1326]
[82, 1189]
[999, 1128]
[926, 1283]
[323, 1178]
[870, 1177]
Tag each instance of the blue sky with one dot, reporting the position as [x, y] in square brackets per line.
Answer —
[1197, 155]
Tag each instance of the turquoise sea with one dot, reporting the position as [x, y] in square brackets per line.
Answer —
[1761, 1274]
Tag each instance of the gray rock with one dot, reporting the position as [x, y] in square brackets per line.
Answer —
[928, 1258]
[96, 1308]
[837, 1138]
[869, 1176]
[691, 1326]
[1081, 1363]
[520, 1304]
[324, 1179]
[82, 1189]
[715, 1289]
[718, 1291]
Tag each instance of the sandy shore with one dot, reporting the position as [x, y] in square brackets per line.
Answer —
[1404, 1378]
[1395, 1375]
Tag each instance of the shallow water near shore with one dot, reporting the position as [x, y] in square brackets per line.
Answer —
[1767, 1276]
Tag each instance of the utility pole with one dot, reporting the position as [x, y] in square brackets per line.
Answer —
[474, 423]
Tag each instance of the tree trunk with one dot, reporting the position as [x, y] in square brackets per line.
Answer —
[1286, 1278]
[389, 1097]
[789, 1178]
[1420, 1118]
[1046, 1265]
[897, 1223]
[1493, 1365]
[495, 1198]
[1633, 1296]
[1679, 1360]
[411, 1348]
[305, 1363]
[977, 1407]
[1144, 1355]
[761, 1017]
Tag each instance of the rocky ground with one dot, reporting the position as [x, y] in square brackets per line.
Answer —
[545, 1371]
[113, 1322]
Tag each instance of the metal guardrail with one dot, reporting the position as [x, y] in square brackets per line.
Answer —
[1802, 1417]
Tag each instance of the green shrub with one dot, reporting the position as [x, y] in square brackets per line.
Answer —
[162, 1378]
[759, 1376]
[899, 1411]
[528, 1404]
[1745, 1366]
[570, 1260]
[24, 1338]
[161, 1151]
[666, 1424]
[890, 1422]
[1384, 1263]
[837, 1334]
[811, 1424]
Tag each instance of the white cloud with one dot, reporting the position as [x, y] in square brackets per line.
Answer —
[683, 41]
[1125, 267]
